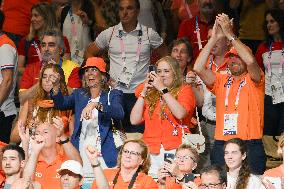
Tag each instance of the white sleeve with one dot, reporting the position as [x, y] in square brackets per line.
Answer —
[155, 39]
[208, 109]
[8, 56]
[103, 39]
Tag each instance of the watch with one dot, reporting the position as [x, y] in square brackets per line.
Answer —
[64, 141]
[164, 90]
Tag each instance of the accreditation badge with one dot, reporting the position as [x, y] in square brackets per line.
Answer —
[277, 92]
[230, 124]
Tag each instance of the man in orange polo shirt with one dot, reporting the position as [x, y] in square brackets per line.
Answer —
[239, 97]
[49, 156]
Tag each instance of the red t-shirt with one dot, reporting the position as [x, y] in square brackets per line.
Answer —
[18, 15]
[187, 29]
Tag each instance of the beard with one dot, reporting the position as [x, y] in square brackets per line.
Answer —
[236, 69]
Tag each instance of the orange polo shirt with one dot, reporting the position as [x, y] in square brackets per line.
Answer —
[250, 109]
[46, 174]
[275, 172]
[159, 131]
[215, 68]
[142, 181]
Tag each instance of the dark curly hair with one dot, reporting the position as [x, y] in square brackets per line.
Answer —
[244, 173]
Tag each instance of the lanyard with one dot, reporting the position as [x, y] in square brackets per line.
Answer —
[197, 31]
[132, 181]
[280, 69]
[228, 86]
[187, 9]
[122, 46]
[37, 50]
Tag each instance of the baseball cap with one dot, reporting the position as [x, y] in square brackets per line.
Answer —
[95, 62]
[73, 166]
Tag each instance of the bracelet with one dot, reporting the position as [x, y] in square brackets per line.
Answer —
[64, 141]
[94, 166]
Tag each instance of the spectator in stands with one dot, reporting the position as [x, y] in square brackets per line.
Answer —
[41, 107]
[271, 55]
[2, 174]
[251, 18]
[211, 177]
[93, 125]
[13, 163]
[128, 43]
[8, 75]
[49, 155]
[239, 96]
[181, 50]
[51, 49]
[42, 19]
[173, 172]
[133, 164]
[18, 18]
[77, 20]
[165, 105]
[238, 171]
[196, 28]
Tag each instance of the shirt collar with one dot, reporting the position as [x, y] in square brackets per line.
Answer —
[138, 27]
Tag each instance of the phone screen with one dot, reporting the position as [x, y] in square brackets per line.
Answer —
[152, 68]
[168, 156]
[188, 177]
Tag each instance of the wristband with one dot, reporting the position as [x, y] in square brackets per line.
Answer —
[64, 141]
[94, 166]
[164, 91]
[142, 95]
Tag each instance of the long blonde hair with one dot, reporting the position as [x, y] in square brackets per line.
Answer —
[153, 96]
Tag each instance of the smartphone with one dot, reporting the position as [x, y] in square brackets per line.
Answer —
[188, 177]
[152, 68]
[168, 156]
[276, 181]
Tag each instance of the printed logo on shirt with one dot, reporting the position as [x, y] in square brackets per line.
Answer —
[37, 174]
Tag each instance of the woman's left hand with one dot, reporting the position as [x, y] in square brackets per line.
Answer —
[190, 78]
[87, 111]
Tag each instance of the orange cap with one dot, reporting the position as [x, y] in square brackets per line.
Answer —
[96, 62]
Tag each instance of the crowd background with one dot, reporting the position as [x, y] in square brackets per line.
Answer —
[100, 93]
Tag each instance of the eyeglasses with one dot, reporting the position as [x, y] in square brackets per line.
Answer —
[185, 158]
[209, 186]
[132, 153]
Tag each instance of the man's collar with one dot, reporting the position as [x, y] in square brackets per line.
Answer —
[138, 27]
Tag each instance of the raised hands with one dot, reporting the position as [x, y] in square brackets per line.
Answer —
[226, 24]
[92, 154]
[59, 125]
[23, 132]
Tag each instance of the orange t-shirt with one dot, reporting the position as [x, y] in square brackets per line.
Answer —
[46, 174]
[159, 131]
[142, 181]
[250, 109]
[18, 15]
[275, 172]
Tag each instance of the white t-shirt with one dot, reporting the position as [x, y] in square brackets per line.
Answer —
[90, 135]
[254, 182]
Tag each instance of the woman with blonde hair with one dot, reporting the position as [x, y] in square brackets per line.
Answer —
[133, 163]
[166, 106]
[41, 107]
